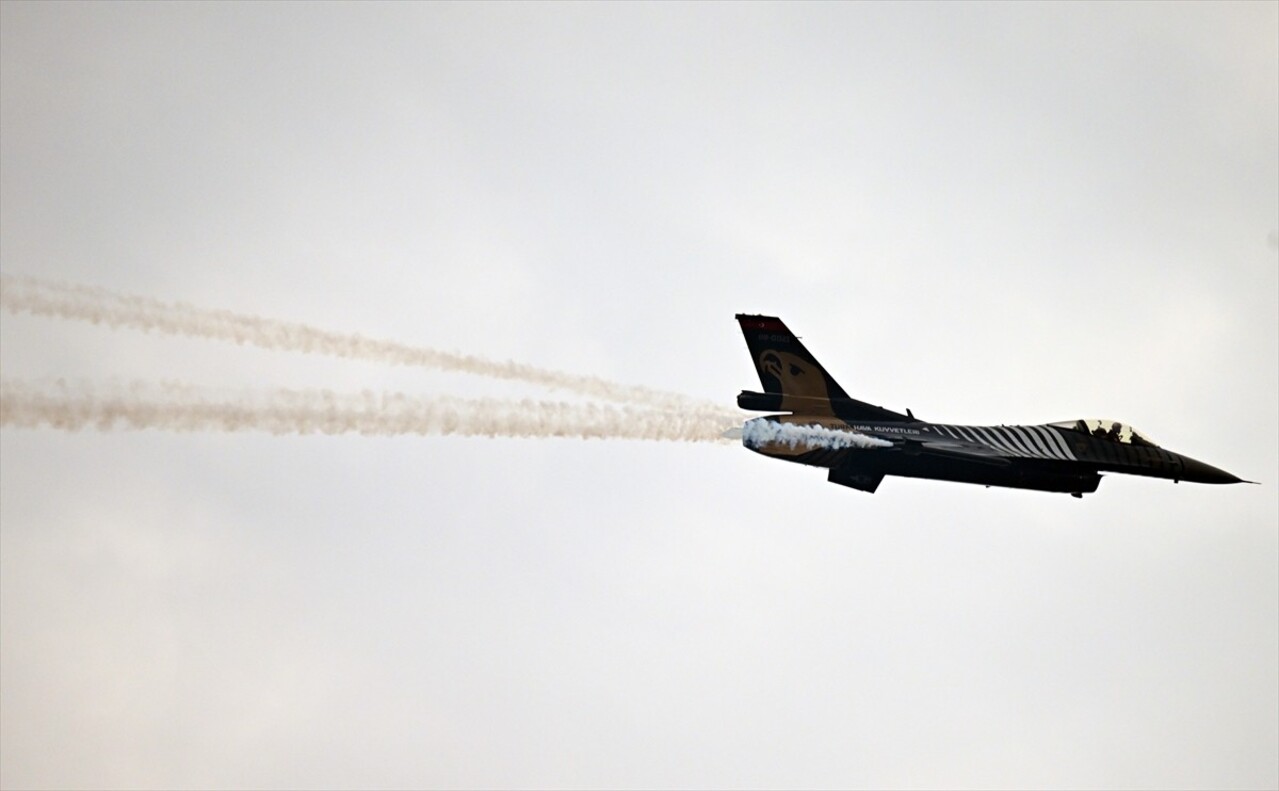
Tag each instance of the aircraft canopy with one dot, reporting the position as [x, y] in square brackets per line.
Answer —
[1112, 430]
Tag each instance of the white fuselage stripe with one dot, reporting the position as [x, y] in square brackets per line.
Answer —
[995, 441]
[1027, 450]
[1033, 442]
[999, 440]
[1012, 440]
[1030, 440]
[1057, 441]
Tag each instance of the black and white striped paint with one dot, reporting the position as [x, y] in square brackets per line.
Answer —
[1026, 442]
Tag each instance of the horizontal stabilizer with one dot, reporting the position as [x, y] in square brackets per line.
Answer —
[861, 480]
[846, 408]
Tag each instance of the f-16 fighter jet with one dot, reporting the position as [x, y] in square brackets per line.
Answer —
[861, 443]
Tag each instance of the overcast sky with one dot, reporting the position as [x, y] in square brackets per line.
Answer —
[1009, 213]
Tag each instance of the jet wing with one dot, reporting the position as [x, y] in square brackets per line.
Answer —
[965, 451]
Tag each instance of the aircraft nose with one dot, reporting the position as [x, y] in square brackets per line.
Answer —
[1197, 472]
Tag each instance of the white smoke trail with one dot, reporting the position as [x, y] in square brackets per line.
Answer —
[176, 407]
[21, 294]
[757, 433]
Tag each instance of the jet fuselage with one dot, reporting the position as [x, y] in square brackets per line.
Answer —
[1068, 456]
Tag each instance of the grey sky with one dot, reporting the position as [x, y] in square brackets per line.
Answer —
[987, 213]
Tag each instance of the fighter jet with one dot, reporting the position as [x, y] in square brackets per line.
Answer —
[861, 443]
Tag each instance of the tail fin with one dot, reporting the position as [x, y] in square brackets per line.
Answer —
[793, 379]
[785, 367]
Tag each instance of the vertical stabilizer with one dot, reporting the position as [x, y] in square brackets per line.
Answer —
[794, 381]
[786, 368]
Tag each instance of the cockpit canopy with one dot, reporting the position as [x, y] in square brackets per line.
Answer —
[1112, 430]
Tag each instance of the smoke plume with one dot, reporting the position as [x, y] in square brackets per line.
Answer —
[177, 407]
[21, 294]
[759, 432]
